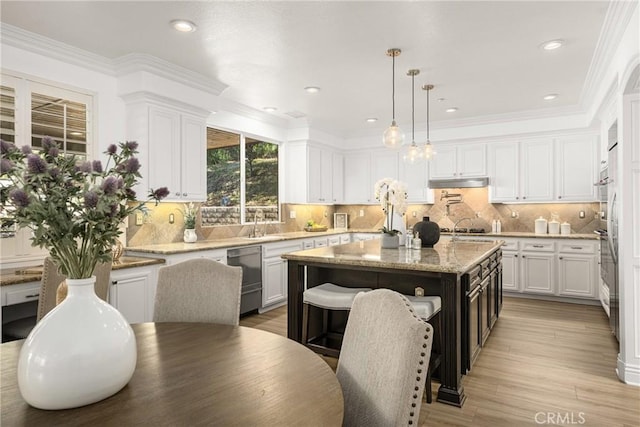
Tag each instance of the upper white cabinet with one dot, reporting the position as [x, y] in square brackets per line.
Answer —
[338, 178]
[416, 176]
[577, 168]
[543, 170]
[459, 161]
[310, 174]
[363, 170]
[172, 139]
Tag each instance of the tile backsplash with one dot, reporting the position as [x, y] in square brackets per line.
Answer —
[513, 217]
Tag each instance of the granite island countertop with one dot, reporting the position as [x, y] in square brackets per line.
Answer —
[447, 256]
[15, 276]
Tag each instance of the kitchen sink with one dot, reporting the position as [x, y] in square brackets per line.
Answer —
[263, 238]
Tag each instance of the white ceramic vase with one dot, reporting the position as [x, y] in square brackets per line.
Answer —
[81, 352]
[190, 235]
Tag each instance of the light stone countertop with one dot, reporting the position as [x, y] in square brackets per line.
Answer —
[203, 245]
[33, 274]
[447, 256]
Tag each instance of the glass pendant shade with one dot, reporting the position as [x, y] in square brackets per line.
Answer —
[428, 150]
[393, 136]
[412, 154]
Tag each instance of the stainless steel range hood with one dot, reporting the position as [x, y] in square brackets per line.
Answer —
[459, 183]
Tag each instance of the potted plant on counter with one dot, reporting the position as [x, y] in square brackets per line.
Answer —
[74, 208]
[392, 195]
[190, 214]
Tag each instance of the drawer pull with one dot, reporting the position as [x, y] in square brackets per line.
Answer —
[538, 246]
[32, 296]
[576, 247]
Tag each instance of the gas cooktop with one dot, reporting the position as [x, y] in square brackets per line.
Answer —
[463, 230]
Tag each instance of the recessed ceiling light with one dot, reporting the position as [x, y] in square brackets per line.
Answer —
[552, 44]
[550, 97]
[269, 109]
[183, 25]
[451, 110]
[312, 89]
[372, 120]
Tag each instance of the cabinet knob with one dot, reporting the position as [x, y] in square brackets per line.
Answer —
[560, 257]
[517, 198]
[516, 255]
[177, 193]
[114, 282]
[184, 194]
[523, 256]
[559, 197]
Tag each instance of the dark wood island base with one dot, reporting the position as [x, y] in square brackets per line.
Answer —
[453, 270]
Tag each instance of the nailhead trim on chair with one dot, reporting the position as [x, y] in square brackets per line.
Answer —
[428, 330]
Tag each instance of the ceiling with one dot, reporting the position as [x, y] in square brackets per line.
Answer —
[483, 57]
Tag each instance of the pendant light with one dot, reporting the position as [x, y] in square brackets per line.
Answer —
[412, 153]
[428, 148]
[393, 137]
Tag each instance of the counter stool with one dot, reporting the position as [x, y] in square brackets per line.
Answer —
[328, 297]
[428, 308]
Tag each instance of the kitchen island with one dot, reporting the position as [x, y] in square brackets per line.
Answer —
[466, 274]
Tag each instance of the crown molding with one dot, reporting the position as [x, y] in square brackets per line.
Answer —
[162, 101]
[616, 21]
[135, 62]
[26, 40]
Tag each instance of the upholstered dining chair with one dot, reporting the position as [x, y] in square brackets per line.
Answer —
[49, 286]
[198, 290]
[383, 361]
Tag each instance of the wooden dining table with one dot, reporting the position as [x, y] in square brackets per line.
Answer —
[191, 374]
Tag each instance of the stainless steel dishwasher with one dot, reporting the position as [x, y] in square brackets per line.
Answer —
[250, 259]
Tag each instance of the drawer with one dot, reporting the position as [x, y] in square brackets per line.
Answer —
[511, 245]
[539, 246]
[270, 251]
[308, 244]
[25, 294]
[577, 248]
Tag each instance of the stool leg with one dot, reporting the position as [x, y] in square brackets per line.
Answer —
[305, 323]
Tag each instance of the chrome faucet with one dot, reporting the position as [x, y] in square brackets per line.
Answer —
[455, 226]
[254, 232]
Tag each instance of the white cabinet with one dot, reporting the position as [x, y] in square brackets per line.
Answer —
[538, 273]
[172, 142]
[274, 272]
[358, 188]
[460, 161]
[363, 170]
[338, 178]
[219, 255]
[544, 170]
[133, 292]
[416, 176]
[578, 269]
[576, 168]
[310, 174]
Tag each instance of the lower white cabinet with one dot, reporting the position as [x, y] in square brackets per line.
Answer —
[133, 292]
[274, 272]
[556, 267]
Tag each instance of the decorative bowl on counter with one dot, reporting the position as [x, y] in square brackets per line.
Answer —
[316, 228]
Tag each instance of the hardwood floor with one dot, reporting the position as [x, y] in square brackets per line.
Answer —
[545, 363]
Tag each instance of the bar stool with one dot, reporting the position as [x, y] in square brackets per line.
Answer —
[428, 308]
[328, 297]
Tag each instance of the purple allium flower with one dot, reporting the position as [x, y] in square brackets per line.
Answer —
[120, 183]
[85, 167]
[26, 149]
[112, 149]
[7, 147]
[160, 193]
[132, 165]
[50, 146]
[35, 164]
[131, 145]
[53, 151]
[131, 195]
[90, 199]
[6, 166]
[109, 185]
[54, 172]
[114, 209]
[97, 166]
[19, 198]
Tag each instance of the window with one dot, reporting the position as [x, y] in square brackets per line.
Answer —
[240, 192]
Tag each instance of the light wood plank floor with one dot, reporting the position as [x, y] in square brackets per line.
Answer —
[545, 363]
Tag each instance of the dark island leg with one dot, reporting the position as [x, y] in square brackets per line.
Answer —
[295, 283]
[451, 390]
